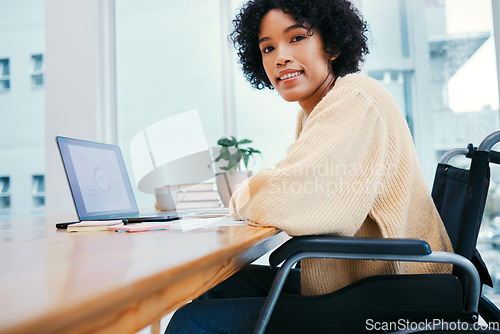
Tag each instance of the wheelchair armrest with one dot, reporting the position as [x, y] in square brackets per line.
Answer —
[348, 245]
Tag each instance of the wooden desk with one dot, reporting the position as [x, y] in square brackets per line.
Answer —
[107, 282]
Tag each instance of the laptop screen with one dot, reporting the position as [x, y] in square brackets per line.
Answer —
[97, 178]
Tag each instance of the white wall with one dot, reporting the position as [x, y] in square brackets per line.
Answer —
[78, 86]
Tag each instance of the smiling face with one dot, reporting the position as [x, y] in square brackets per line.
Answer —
[294, 59]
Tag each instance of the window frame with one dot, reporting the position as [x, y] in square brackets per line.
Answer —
[5, 195]
[38, 190]
[4, 78]
[37, 73]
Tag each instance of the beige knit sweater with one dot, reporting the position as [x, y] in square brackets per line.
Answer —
[352, 171]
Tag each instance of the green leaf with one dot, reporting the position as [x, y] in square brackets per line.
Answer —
[244, 141]
[252, 150]
[246, 156]
[225, 142]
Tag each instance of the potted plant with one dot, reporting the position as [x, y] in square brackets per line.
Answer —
[228, 165]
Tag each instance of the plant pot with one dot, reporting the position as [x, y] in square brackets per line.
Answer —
[226, 182]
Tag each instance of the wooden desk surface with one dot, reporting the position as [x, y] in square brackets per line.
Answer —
[108, 282]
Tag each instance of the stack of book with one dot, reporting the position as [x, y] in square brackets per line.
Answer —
[198, 196]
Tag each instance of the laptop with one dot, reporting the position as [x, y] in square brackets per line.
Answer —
[99, 183]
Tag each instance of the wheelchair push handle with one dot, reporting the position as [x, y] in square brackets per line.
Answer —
[489, 141]
[452, 153]
[485, 146]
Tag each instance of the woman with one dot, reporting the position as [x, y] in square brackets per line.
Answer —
[352, 171]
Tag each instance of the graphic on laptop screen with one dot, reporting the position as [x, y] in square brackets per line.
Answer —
[99, 177]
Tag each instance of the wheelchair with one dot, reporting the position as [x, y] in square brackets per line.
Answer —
[423, 303]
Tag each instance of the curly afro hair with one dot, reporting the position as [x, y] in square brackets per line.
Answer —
[339, 24]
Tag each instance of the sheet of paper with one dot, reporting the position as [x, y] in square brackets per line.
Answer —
[197, 223]
[140, 227]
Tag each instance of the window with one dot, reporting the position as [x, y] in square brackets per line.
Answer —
[437, 58]
[439, 66]
[425, 52]
[159, 75]
[38, 191]
[399, 84]
[4, 193]
[37, 71]
[4, 75]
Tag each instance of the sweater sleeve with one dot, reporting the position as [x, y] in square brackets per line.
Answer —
[330, 177]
